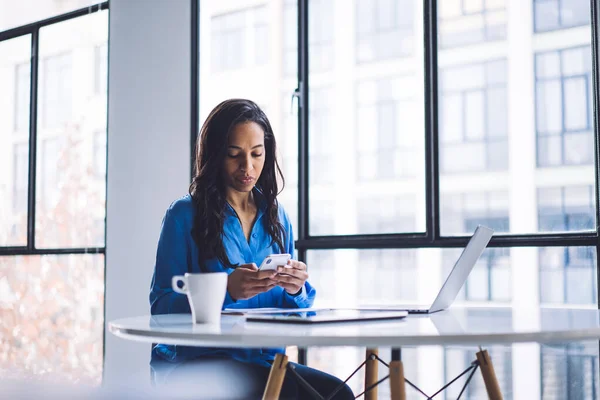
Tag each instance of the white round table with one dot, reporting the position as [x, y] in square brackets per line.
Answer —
[456, 326]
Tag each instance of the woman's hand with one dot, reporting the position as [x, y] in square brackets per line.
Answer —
[247, 281]
[292, 276]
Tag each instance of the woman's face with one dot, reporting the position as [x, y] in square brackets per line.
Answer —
[245, 157]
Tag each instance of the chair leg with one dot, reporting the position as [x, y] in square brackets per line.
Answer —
[397, 384]
[489, 375]
[371, 369]
[276, 377]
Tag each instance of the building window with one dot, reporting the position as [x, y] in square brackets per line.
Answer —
[569, 371]
[385, 136]
[240, 39]
[465, 22]
[395, 272]
[462, 212]
[490, 279]
[457, 359]
[567, 274]
[563, 107]
[56, 90]
[320, 36]
[384, 29]
[101, 69]
[386, 214]
[20, 176]
[473, 118]
[321, 137]
[22, 85]
[559, 14]
[563, 209]
[49, 170]
[99, 154]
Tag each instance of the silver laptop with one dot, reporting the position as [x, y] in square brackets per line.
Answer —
[456, 279]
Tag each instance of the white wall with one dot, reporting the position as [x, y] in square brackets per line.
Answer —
[148, 158]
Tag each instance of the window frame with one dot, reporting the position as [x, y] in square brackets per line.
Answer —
[33, 29]
[431, 238]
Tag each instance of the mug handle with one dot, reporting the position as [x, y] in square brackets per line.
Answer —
[175, 280]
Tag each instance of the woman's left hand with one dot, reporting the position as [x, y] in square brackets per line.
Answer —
[291, 277]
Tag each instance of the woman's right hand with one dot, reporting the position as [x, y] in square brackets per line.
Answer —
[247, 281]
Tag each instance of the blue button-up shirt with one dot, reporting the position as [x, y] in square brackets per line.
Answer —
[177, 254]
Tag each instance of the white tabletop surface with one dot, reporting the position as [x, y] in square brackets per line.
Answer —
[457, 326]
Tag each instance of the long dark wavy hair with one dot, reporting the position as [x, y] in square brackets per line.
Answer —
[208, 188]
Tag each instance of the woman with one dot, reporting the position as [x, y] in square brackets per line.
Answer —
[229, 222]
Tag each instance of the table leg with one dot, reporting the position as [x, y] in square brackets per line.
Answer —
[371, 369]
[276, 377]
[397, 384]
[489, 375]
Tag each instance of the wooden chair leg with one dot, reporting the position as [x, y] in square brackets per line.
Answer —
[397, 384]
[371, 369]
[489, 375]
[276, 377]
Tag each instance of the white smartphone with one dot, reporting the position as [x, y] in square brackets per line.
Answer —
[271, 262]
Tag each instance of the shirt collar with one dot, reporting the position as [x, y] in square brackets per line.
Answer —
[259, 199]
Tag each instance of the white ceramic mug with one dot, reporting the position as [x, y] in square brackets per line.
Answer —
[205, 293]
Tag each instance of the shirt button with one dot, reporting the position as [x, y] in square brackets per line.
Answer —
[254, 235]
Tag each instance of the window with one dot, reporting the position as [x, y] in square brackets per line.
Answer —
[101, 69]
[63, 297]
[458, 359]
[385, 215]
[55, 108]
[563, 107]
[473, 120]
[22, 85]
[37, 289]
[320, 36]
[49, 155]
[386, 110]
[321, 143]
[559, 14]
[568, 275]
[99, 154]
[464, 211]
[20, 179]
[240, 39]
[465, 22]
[569, 371]
[13, 17]
[384, 29]
[512, 127]
[568, 208]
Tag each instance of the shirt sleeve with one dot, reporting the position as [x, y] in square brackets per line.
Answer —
[306, 297]
[171, 260]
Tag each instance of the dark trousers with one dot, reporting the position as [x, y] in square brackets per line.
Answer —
[221, 378]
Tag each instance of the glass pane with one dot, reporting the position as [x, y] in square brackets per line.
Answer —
[465, 22]
[71, 142]
[458, 359]
[569, 370]
[366, 125]
[247, 61]
[560, 14]
[14, 139]
[568, 275]
[51, 317]
[520, 136]
[24, 12]
[385, 29]
[566, 208]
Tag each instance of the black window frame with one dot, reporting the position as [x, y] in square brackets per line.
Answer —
[33, 29]
[431, 238]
